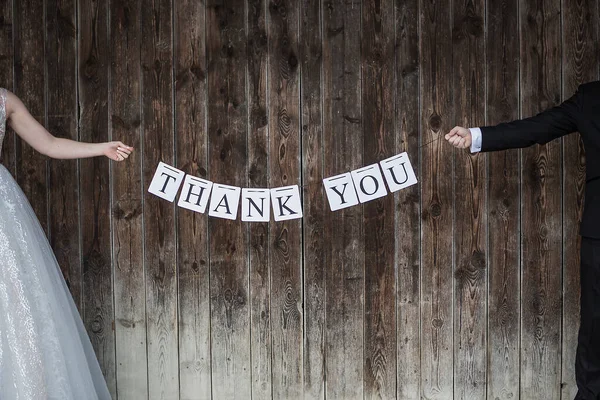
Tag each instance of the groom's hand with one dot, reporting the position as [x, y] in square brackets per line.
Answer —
[459, 137]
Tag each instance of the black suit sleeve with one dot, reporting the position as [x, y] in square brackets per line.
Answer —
[542, 128]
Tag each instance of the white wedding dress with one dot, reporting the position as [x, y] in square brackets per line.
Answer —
[45, 352]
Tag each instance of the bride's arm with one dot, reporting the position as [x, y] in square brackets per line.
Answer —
[43, 141]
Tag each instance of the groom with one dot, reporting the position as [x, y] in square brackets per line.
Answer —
[579, 113]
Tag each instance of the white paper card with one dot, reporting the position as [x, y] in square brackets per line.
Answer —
[256, 205]
[286, 203]
[369, 183]
[340, 191]
[224, 201]
[166, 181]
[195, 194]
[398, 172]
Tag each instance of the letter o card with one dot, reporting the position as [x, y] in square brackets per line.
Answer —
[340, 191]
[369, 183]
[166, 181]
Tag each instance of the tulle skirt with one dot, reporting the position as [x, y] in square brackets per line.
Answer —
[45, 352]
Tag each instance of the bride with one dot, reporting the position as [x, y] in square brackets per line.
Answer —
[45, 352]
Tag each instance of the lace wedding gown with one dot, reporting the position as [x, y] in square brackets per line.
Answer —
[45, 352]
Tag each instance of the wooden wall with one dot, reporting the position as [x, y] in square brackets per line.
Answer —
[465, 286]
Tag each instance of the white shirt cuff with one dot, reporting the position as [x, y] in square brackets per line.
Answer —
[475, 140]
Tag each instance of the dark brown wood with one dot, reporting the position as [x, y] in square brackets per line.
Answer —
[344, 250]
[502, 99]
[387, 299]
[192, 228]
[470, 212]
[258, 175]
[227, 134]
[127, 192]
[94, 193]
[7, 157]
[160, 264]
[581, 58]
[285, 254]
[541, 206]
[315, 206]
[408, 203]
[378, 114]
[31, 166]
[437, 201]
[61, 63]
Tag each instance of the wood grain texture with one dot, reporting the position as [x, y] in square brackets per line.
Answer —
[29, 86]
[258, 175]
[285, 250]
[127, 194]
[94, 185]
[228, 241]
[437, 202]
[7, 56]
[580, 61]
[192, 228]
[159, 216]
[502, 98]
[315, 207]
[345, 250]
[408, 203]
[463, 286]
[378, 110]
[61, 108]
[541, 206]
[470, 212]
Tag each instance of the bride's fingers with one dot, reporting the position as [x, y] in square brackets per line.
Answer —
[124, 149]
[122, 154]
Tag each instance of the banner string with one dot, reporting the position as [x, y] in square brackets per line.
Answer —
[421, 146]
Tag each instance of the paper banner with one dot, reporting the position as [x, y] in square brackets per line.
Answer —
[369, 183]
[398, 172]
[340, 191]
[256, 205]
[166, 182]
[224, 201]
[286, 203]
[195, 194]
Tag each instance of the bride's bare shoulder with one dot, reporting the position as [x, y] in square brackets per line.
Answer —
[12, 102]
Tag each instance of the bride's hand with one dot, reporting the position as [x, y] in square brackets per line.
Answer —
[116, 151]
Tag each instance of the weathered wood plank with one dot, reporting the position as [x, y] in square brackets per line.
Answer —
[541, 206]
[378, 110]
[127, 204]
[94, 189]
[343, 230]
[160, 254]
[581, 63]
[29, 85]
[227, 132]
[285, 258]
[407, 205]
[502, 99]
[61, 108]
[437, 201]
[258, 167]
[7, 59]
[315, 207]
[470, 213]
[192, 228]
